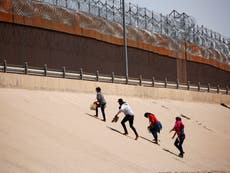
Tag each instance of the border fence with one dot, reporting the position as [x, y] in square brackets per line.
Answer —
[178, 26]
[81, 75]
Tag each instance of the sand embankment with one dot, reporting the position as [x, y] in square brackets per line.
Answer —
[52, 131]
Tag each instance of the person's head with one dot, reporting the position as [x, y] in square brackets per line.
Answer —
[146, 115]
[178, 118]
[120, 101]
[98, 89]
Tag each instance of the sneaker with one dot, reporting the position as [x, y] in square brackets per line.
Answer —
[136, 137]
[155, 141]
[181, 155]
[125, 134]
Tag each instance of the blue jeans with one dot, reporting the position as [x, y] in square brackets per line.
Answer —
[129, 118]
[102, 110]
[178, 143]
[154, 129]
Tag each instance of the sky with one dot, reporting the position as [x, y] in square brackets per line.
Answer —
[212, 14]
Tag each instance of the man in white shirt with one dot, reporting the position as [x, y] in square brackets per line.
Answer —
[129, 116]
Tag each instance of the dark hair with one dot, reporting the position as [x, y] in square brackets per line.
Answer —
[178, 118]
[146, 114]
[98, 89]
[120, 100]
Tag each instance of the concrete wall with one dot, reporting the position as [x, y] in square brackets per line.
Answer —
[8, 80]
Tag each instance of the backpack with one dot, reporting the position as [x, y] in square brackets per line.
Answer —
[159, 125]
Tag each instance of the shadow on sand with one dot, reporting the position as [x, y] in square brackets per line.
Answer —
[93, 116]
[169, 152]
[148, 140]
[222, 104]
[115, 130]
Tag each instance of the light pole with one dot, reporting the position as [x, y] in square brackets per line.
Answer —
[124, 40]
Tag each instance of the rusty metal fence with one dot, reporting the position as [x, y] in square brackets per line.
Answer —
[177, 26]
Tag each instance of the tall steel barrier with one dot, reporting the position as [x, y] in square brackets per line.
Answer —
[178, 26]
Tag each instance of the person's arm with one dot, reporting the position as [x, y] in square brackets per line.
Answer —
[150, 123]
[173, 129]
[174, 135]
[118, 113]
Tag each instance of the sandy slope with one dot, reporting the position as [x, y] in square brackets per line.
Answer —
[47, 131]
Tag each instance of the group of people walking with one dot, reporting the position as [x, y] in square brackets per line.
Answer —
[154, 126]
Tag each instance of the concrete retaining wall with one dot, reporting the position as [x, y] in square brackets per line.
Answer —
[59, 84]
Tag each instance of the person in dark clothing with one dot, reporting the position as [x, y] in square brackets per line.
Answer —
[179, 130]
[154, 125]
[129, 116]
[100, 103]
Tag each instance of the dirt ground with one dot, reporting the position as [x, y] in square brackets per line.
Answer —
[52, 131]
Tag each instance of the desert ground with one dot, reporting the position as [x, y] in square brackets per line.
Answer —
[55, 132]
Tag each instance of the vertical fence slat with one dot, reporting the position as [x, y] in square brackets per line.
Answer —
[81, 73]
[5, 66]
[97, 75]
[64, 72]
[153, 81]
[208, 87]
[45, 70]
[166, 82]
[177, 84]
[26, 68]
[113, 77]
[188, 85]
[140, 80]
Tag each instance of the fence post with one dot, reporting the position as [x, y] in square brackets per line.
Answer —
[177, 84]
[99, 11]
[113, 76]
[127, 79]
[89, 6]
[5, 66]
[63, 70]
[106, 15]
[198, 86]
[45, 69]
[97, 75]
[26, 67]
[145, 19]
[188, 85]
[166, 82]
[153, 82]
[78, 5]
[227, 89]
[81, 73]
[218, 88]
[140, 80]
[208, 87]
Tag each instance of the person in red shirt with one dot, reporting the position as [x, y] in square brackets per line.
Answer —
[154, 125]
[179, 130]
